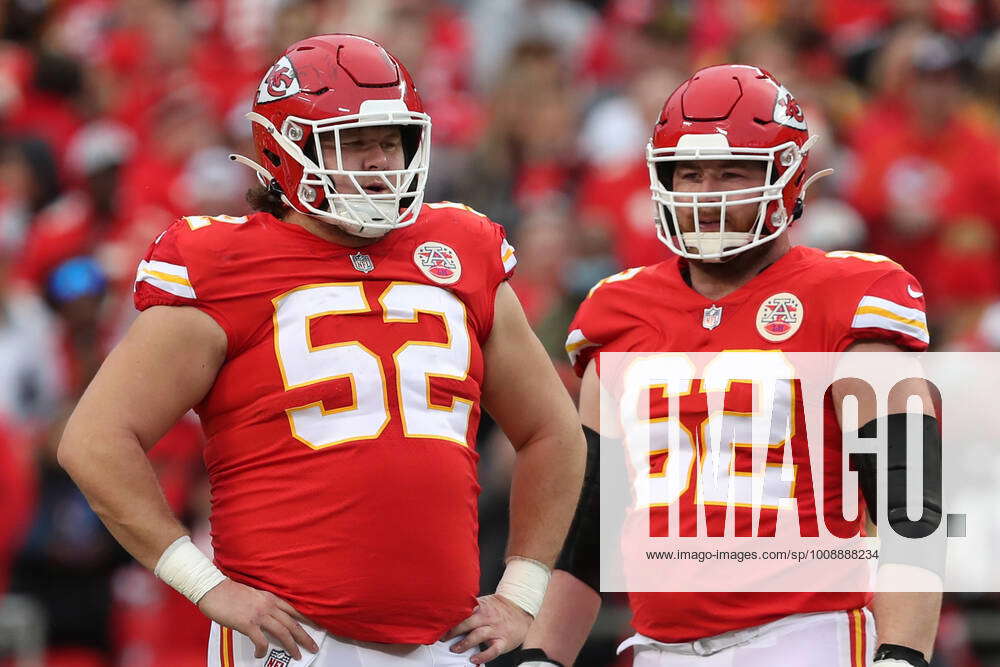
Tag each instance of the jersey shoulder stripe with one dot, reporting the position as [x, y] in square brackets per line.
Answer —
[627, 274]
[863, 256]
[172, 278]
[878, 313]
[576, 343]
[507, 256]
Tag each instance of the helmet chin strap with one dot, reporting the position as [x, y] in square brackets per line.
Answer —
[713, 243]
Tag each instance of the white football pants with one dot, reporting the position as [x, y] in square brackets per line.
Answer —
[824, 639]
[227, 648]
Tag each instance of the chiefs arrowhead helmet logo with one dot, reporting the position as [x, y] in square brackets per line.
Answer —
[787, 111]
[280, 82]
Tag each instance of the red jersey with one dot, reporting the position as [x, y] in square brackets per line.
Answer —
[341, 427]
[807, 301]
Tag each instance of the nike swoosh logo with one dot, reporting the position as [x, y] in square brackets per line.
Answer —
[914, 293]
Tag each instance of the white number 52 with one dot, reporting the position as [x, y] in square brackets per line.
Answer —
[302, 364]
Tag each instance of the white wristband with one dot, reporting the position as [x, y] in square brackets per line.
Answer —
[524, 583]
[183, 567]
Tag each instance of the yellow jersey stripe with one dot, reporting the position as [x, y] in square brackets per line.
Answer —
[575, 342]
[882, 312]
[225, 646]
[858, 637]
[168, 277]
[573, 347]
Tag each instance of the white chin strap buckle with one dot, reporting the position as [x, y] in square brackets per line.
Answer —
[714, 243]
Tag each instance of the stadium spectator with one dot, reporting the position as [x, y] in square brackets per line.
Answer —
[116, 115]
[926, 179]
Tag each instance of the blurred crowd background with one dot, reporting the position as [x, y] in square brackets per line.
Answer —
[116, 116]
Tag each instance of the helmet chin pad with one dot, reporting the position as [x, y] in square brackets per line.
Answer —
[711, 244]
[374, 218]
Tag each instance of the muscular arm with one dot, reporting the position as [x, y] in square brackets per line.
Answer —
[911, 618]
[166, 363]
[570, 606]
[529, 402]
[527, 399]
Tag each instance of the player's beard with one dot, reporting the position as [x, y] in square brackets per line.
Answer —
[746, 264]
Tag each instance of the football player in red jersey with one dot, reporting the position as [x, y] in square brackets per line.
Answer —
[727, 164]
[338, 346]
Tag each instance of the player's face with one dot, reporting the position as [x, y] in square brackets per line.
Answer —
[717, 176]
[378, 148]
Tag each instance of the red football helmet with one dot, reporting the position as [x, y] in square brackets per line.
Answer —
[320, 87]
[729, 112]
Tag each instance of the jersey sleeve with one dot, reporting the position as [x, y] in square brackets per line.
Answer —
[602, 322]
[508, 258]
[584, 339]
[500, 263]
[164, 276]
[891, 309]
[503, 259]
[486, 239]
[490, 257]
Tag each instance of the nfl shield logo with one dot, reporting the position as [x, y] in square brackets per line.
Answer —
[362, 262]
[712, 317]
[278, 658]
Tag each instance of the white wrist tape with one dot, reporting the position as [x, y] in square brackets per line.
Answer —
[524, 583]
[183, 567]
